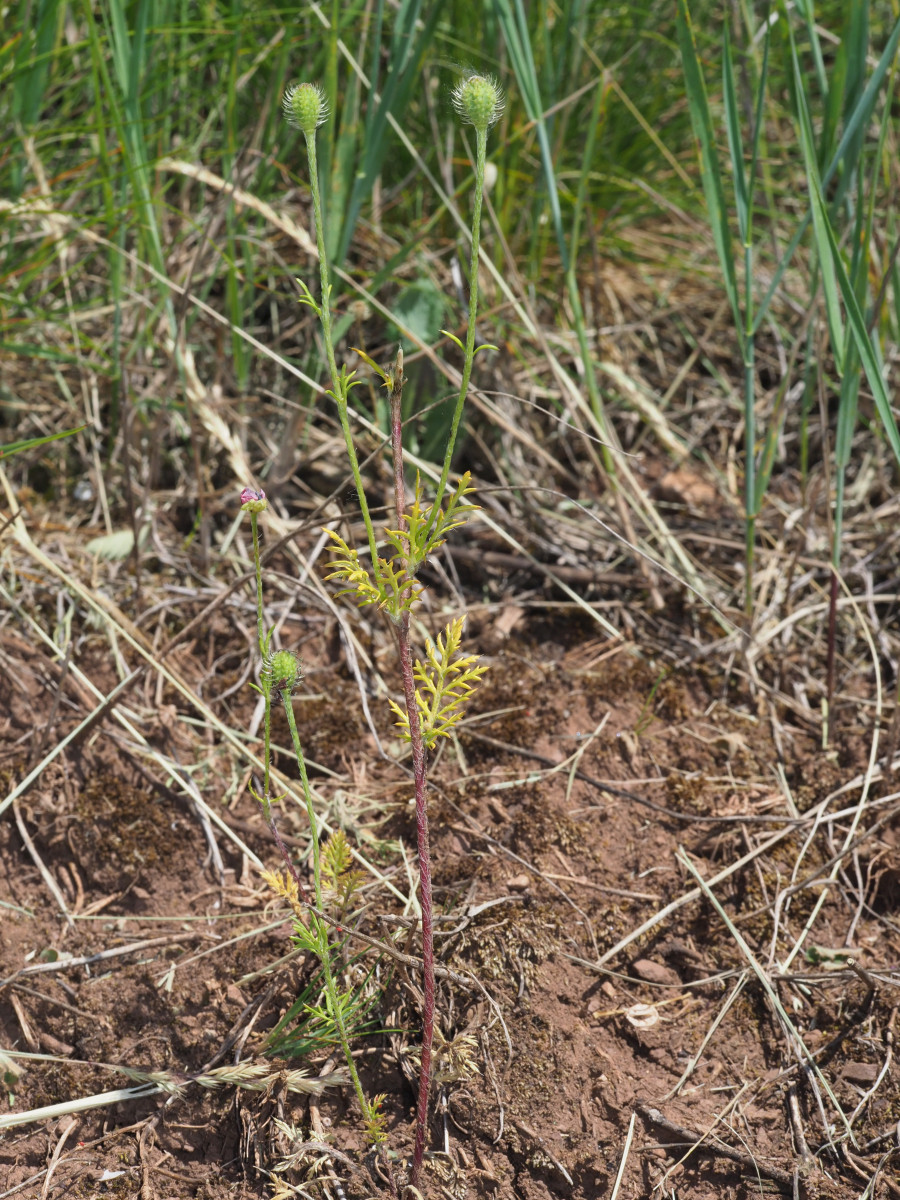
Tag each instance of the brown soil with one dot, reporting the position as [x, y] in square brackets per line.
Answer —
[538, 872]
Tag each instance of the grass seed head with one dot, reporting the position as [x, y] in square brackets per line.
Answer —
[305, 107]
[479, 101]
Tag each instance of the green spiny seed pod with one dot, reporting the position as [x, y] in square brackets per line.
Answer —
[283, 671]
[479, 101]
[305, 106]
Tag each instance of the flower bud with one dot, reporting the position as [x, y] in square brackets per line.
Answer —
[479, 101]
[305, 107]
[283, 671]
[253, 501]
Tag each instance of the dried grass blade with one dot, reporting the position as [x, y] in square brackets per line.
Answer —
[124, 628]
[798, 1045]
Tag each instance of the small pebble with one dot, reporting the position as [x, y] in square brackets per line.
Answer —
[861, 1073]
[653, 972]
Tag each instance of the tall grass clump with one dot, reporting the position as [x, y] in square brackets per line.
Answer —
[513, 21]
[842, 134]
[384, 573]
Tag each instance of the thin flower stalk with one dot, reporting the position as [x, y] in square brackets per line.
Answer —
[255, 503]
[278, 676]
[339, 384]
[480, 158]
[479, 102]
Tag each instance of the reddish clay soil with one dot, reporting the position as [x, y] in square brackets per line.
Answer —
[575, 1057]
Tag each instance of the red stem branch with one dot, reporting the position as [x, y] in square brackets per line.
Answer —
[419, 780]
[420, 783]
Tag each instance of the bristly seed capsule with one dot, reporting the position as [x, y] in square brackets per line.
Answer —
[479, 101]
[284, 671]
[305, 106]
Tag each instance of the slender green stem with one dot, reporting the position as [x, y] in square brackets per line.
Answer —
[751, 500]
[267, 752]
[339, 385]
[590, 376]
[480, 157]
[254, 525]
[321, 927]
[307, 796]
[267, 720]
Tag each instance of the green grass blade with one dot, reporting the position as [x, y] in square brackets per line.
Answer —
[32, 64]
[38, 24]
[865, 345]
[597, 118]
[807, 11]
[411, 36]
[30, 443]
[843, 444]
[735, 144]
[701, 120]
[515, 32]
[856, 122]
[128, 45]
[824, 245]
[758, 124]
[855, 43]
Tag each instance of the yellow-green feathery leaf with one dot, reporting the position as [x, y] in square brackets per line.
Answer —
[370, 362]
[444, 686]
[336, 858]
[342, 880]
[376, 1120]
[351, 571]
[416, 541]
[391, 589]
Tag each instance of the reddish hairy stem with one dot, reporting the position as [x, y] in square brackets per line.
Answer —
[419, 780]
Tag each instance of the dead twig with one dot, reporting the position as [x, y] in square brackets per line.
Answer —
[623, 794]
[57, 1151]
[696, 1141]
[52, 885]
[885, 1068]
[65, 964]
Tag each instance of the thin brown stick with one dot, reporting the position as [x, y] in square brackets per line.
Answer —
[687, 1137]
[48, 879]
[623, 794]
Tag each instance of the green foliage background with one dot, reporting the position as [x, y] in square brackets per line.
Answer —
[603, 156]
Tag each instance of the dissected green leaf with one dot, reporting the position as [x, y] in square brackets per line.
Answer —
[445, 684]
